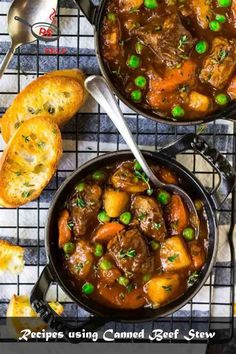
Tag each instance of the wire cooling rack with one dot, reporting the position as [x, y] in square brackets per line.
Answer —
[88, 135]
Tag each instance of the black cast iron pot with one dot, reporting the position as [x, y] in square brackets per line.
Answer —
[95, 15]
[53, 271]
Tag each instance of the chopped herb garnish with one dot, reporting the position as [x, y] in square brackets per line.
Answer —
[70, 225]
[142, 176]
[122, 296]
[167, 288]
[130, 287]
[17, 173]
[130, 253]
[142, 216]
[27, 184]
[157, 225]
[173, 258]
[193, 278]
[26, 138]
[80, 203]
[26, 194]
[182, 42]
[133, 10]
[79, 267]
[41, 144]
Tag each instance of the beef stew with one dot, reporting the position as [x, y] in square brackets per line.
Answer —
[170, 57]
[128, 245]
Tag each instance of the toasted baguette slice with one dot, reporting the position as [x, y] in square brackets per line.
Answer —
[11, 258]
[58, 96]
[21, 315]
[29, 161]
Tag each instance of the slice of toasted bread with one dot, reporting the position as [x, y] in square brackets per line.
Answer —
[21, 315]
[29, 161]
[58, 96]
[11, 258]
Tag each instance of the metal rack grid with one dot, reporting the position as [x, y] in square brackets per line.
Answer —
[88, 136]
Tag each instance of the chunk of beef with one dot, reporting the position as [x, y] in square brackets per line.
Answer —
[131, 252]
[80, 262]
[84, 207]
[203, 11]
[149, 214]
[125, 179]
[220, 63]
[170, 42]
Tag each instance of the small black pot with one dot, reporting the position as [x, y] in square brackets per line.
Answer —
[53, 271]
[95, 15]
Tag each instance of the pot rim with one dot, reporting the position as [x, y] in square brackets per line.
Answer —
[175, 307]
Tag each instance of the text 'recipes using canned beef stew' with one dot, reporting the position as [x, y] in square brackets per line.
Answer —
[127, 245]
[172, 57]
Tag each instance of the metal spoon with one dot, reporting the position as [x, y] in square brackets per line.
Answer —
[30, 11]
[98, 88]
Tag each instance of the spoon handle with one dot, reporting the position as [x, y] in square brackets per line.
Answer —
[98, 88]
[6, 60]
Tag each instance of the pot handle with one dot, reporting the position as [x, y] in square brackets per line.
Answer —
[55, 322]
[88, 8]
[216, 160]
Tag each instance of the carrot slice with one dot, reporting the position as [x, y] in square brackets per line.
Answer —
[177, 215]
[64, 231]
[174, 77]
[107, 231]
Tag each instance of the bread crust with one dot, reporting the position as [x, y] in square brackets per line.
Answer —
[29, 161]
[57, 95]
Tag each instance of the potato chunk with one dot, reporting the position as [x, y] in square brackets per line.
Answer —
[198, 102]
[164, 288]
[174, 254]
[115, 202]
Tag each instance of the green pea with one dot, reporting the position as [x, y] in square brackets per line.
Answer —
[103, 217]
[177, 111]
[87, 288]
[80, 187]
[105, 264]
[98, 175]
[221, 18]
[150, 4]
[111, 17]
[201, 47]
[69, 247]
[215, 26]
[222, 99]
[136, 95]
[126, 218]
[123, 281]
[98, 252]
[146, 277]
[155, 245]
[137, 166]
[134, 61]
[140, 81]
[224, 3]
[163, 197]
[139, 47]
[189, 234]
